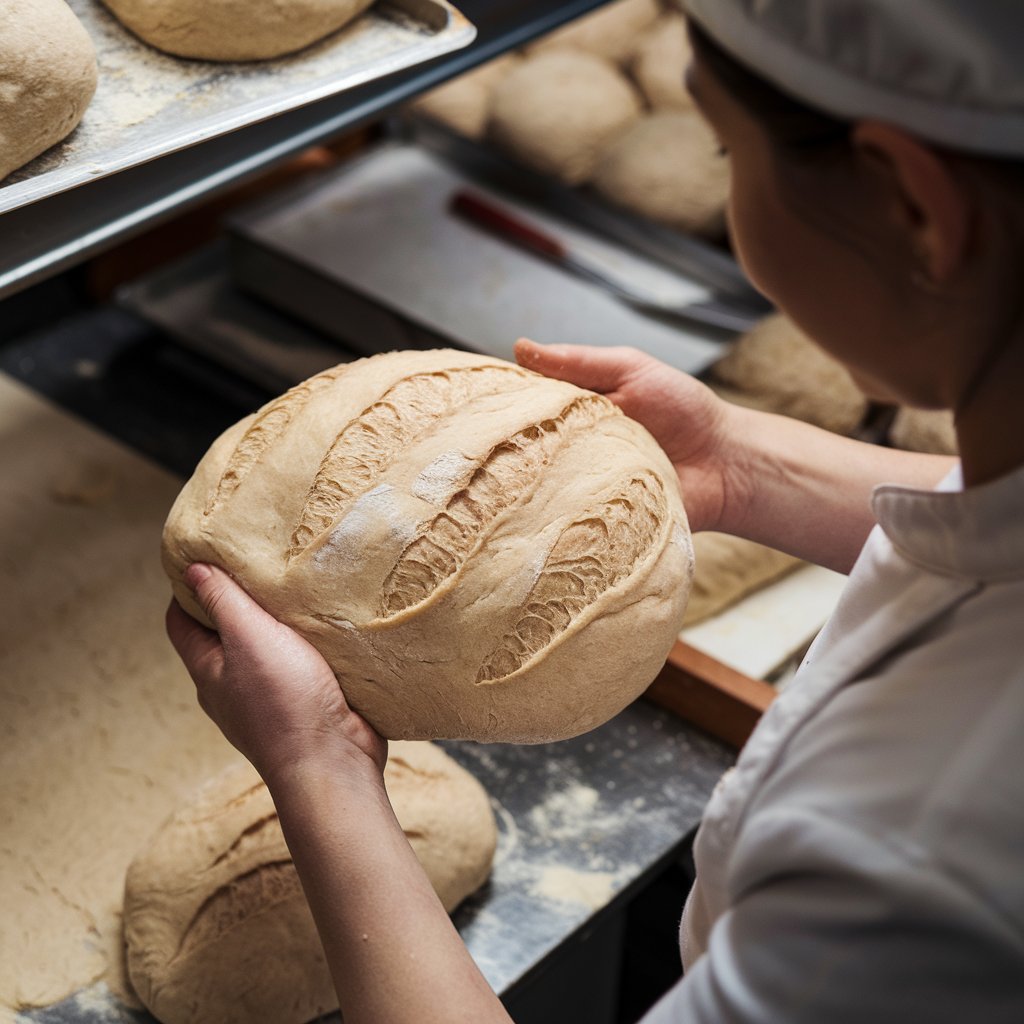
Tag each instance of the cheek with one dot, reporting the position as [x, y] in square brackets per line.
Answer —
[768, 242]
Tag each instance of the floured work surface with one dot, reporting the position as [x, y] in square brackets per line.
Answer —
[100, 736]
[149, 103]
[100, 733]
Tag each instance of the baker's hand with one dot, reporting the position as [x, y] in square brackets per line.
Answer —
[684, 416]
[270, 692]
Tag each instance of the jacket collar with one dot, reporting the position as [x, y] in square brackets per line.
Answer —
[974, 533]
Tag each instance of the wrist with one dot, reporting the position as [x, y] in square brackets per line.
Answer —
[335, 762]
[742, 459]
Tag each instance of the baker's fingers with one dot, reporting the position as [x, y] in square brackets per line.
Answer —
[198, 647]
[587, 366]
[234, 614]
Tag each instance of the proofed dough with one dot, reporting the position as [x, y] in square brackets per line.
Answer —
[924, 430]
[776, 368]
[217, 928]
[47, 77]
[476, 550]
[558, 110]
[729, 568]
[659, 63]
[610, 31]
[464, 104]
[234, 29]
[668, 167]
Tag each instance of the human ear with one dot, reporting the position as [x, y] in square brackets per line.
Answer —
[931, 206]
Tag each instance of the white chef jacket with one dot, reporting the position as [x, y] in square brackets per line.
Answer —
[864, 860]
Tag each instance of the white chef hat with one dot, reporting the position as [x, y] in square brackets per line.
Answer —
[949, 71]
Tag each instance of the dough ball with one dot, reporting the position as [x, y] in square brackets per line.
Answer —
[234, 29]
[474, 549]
[924, 430]
[558, 110]
[667, 167]
[776, 368]
[216, 925]
[47, 78]
[728, 569]
[609, 32]
[659, 63]
[464, 104]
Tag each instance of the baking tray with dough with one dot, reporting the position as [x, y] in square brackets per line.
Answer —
[149, 104]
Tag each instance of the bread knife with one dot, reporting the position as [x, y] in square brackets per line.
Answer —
[728, 316]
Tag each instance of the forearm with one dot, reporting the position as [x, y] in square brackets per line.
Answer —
[393, 952]
[806, 491]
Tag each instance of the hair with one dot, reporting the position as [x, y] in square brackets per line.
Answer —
[791, 124]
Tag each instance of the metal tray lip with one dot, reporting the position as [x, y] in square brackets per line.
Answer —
[77, 170]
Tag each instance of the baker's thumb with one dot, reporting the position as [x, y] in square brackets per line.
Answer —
[587, 366]
[225, 603]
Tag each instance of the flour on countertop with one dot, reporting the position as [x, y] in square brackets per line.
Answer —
[591, 889]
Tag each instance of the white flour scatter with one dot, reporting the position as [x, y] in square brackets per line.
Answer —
[441, 478]
[348, 540]
[591, 889]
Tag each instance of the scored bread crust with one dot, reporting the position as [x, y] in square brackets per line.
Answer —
[477, 551]
[217, 929]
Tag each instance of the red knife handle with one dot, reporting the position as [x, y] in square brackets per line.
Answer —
[481, 211]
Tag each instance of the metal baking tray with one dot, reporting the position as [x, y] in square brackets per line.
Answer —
[149, 104]
[370, 253]
[694, 257]
[194, 302]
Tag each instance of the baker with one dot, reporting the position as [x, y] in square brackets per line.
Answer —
[863, 861]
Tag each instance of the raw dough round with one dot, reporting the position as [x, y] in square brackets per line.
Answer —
[609, 32]
[924, 430]
[558, 110]
[729, 568]
[659, 63]
[479, 552]
[216, 925]
[667, 167]
[464, 104]
[776, 368]
[47, 78]
[234, 29]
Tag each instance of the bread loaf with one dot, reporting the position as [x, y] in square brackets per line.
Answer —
[659, 63]
[924, 430]
[776, 368]
[47, 78]
[464, 104]
[728, 569]
[477, 551]
[234, 29]
[667, 167]
[216, 925]
[557, 111]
